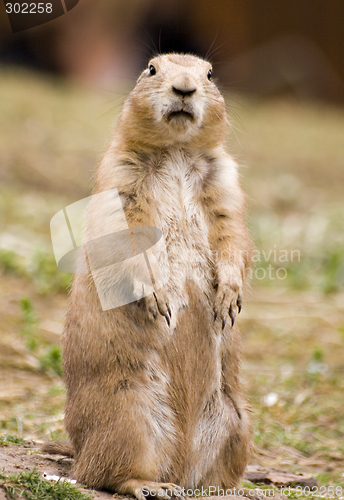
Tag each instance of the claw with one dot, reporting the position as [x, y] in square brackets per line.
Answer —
[239, 303]
[153, 312]
[232, 316]
[169, 310]
[223, 323]
[215, 315]
[167, 319]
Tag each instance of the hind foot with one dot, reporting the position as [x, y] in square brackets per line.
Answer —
[147, 489]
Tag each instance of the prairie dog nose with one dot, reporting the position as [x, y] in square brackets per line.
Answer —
[184, 85]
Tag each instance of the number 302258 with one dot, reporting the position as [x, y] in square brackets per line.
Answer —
[29, 8]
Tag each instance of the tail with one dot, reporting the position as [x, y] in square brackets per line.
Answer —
[58, 448]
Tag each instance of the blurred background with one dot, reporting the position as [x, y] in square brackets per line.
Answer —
[260, 47]
[280, 66]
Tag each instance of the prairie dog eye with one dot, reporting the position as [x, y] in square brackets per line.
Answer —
[209, 74]
[152, 70]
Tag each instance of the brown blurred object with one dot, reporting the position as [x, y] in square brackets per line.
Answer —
[260, 47]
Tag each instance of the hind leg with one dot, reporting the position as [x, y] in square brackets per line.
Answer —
[232, 459]
[131, 471]
[225, 467]
[238, 445]
[226, 451]
[222, 455]
[125, 442]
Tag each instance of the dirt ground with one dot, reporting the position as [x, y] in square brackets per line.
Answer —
[14, 459]
[21, 458]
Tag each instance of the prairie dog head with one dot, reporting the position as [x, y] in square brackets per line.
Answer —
[175, 101]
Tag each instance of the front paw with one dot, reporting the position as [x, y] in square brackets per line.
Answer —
[228, 301]
[155, 303]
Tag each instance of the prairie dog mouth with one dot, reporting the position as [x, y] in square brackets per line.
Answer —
[180, 113]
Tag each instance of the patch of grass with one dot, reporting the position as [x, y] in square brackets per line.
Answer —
[52, 359]
[307, 416]
[299, 250]
[58, 435]
[29, 324]
[322, 270]
[333, 266]
[49, 356]
[31, 486]
[10, 439]
[10, 262]
[46, 276]
[39, 268]
[56, 390]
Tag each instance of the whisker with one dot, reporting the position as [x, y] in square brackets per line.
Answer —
[211, 46]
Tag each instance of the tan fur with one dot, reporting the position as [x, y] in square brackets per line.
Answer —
[150, 404]
[58, 448]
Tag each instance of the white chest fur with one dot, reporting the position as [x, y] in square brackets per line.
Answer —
[176, 188]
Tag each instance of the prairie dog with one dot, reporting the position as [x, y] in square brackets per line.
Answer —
[153, 393]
